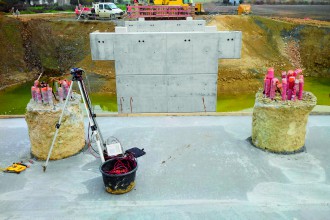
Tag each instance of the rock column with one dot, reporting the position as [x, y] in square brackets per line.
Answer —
[280, 126]
[41, 120]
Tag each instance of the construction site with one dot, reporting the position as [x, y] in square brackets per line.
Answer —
[197, 111]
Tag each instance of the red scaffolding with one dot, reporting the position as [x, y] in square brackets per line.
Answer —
[159, 12]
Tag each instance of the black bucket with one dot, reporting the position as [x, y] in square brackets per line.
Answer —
[118, 183]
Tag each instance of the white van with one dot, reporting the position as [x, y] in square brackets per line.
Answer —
[107, 10]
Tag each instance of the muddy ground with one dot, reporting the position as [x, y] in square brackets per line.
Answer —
[53, 44]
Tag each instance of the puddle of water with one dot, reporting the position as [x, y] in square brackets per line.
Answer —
[13, 100]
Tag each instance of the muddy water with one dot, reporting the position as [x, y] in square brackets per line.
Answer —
[13, 100]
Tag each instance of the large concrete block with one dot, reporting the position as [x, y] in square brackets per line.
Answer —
[204, 53]
[192, 104]
[166, 66]
[179, 53]
[142, 85]
[139, 104]
[140, 53]
[157, 93]
[192, 85]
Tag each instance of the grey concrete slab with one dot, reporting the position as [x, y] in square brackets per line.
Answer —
[195, 168]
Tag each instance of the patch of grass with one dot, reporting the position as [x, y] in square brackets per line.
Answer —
[320, 87]
[230, 103]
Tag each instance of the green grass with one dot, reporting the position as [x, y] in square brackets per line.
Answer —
[231, 103]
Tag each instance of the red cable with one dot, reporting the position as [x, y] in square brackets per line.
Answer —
[123, 165]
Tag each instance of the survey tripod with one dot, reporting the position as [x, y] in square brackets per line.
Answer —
[77, 77]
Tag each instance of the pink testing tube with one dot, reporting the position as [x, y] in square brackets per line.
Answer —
[294, 91]
[297, 72]
[270, 73]
[267, 87]
[283, 74]
[34, 94]
[38, 94]
[301, 88]
[60, 94]
[69, 84]
[296, 85]
[265, 82]
[44, 95]
[284, 88]
[269, 77]
[36, 83]
[65, 90]
[273, 88]
[50, 95]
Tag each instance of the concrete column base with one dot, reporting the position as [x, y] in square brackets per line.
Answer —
[280, 126]
[41, 120]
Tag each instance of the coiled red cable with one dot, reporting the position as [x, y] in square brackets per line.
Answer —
[123, 165]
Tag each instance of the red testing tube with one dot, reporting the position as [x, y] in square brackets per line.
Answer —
[301, 88]
[290, 73]
[284, 89]
[291, 86]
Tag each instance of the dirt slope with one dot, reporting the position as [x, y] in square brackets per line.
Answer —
[274, 43]
[29, 46]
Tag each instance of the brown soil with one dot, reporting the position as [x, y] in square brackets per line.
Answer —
[269, 42]
[45, 43]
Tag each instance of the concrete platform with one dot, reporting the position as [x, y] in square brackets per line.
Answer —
[195, 168]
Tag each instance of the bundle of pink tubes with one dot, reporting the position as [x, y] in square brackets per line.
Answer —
[290, 87]
[43, 94]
